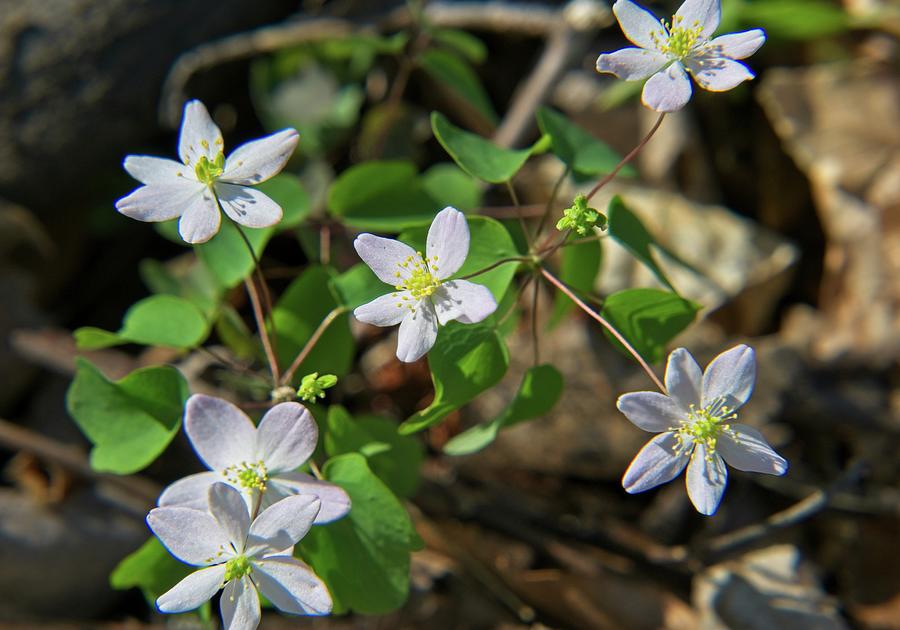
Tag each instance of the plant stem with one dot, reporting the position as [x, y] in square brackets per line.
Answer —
[625, 160]
[535, 341]
[496, 264]
[549, 207]
[311, 343]
[263, 333]
[518, 206]
[559, 284]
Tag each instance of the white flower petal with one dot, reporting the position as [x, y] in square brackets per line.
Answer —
[703, 13]
[191, 491]
[192, 591]
[201, 219]
[706, 479]
[256, 161]
[199, 135]
[632, 64]
[387, 310]
[160, 202]
[718, 74]
[335, 501]
[737, 45]
[684, 379]
[639, 25]
[462, 300]
[448, 243]
[282, 524]
[286, 437]
[384, 256]
[227, 506]
[668, 90]
[248, 206]
[192, 536]
[650, 411]
[418, 332]
[222, 435]
[658, 462]
[729, 379]
[153, 170]
[239, 605]
[750, 452]
[291, 586]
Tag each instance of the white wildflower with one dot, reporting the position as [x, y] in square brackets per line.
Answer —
[423, 296]
[697, 427]
[194, 188]
[241, 557]
[666, 53]
[260, 462]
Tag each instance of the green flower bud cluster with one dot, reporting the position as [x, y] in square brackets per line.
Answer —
[581, 218]
[313, 386]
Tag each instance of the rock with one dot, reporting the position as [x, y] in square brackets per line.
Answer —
[768, 588]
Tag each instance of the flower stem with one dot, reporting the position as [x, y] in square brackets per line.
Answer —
[496, 264]
[311, 343]
[553, 194]
[535, 340]
[515, 199]
[625, 160]
[559, 284]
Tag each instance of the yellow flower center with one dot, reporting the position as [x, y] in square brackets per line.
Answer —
[682, 39]
[236, 568]
[207, 171]
[416, 280]
[252, 476]
[705, 425]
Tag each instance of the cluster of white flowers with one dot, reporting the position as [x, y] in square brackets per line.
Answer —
[242, 519]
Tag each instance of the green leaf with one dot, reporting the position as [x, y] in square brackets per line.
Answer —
[453, 73]
[626, 228]
[358, 285]
[287, 191]
[364, 557]
[541, 388]
[478, 157]
[581, 152]
[393, 457]
[386, 195]
[183, 277]
[648, 318]
[462, 41]
[579, 269]
[235, 334]
[131, 421]
[466, 360]
[159, 320]
[489, 242]
[226, 254]
[151, 568]
[298, 313]
[450, 186]
[794, 19]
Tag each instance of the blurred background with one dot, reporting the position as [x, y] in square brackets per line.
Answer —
[778, 205]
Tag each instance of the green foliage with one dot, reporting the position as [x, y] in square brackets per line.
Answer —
[358, 286]
[489, 242]
[541, 388]
[462, 42]
[130, 421]
[476, 156]
[466, 360]
[580, 151]
[151, 568]
[184, 277]
[299, 311]
[450, 186]
[649, 319]
[786, 19]
[457, 76]
[627, 229]
[364, 557]
[159, 320]
[393, 457]
[579, 268]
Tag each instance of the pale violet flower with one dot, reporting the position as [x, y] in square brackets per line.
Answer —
[697, 428]
[241, 558]
[194, 188]
[261, 461]
[666, 53]
[423, 296]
